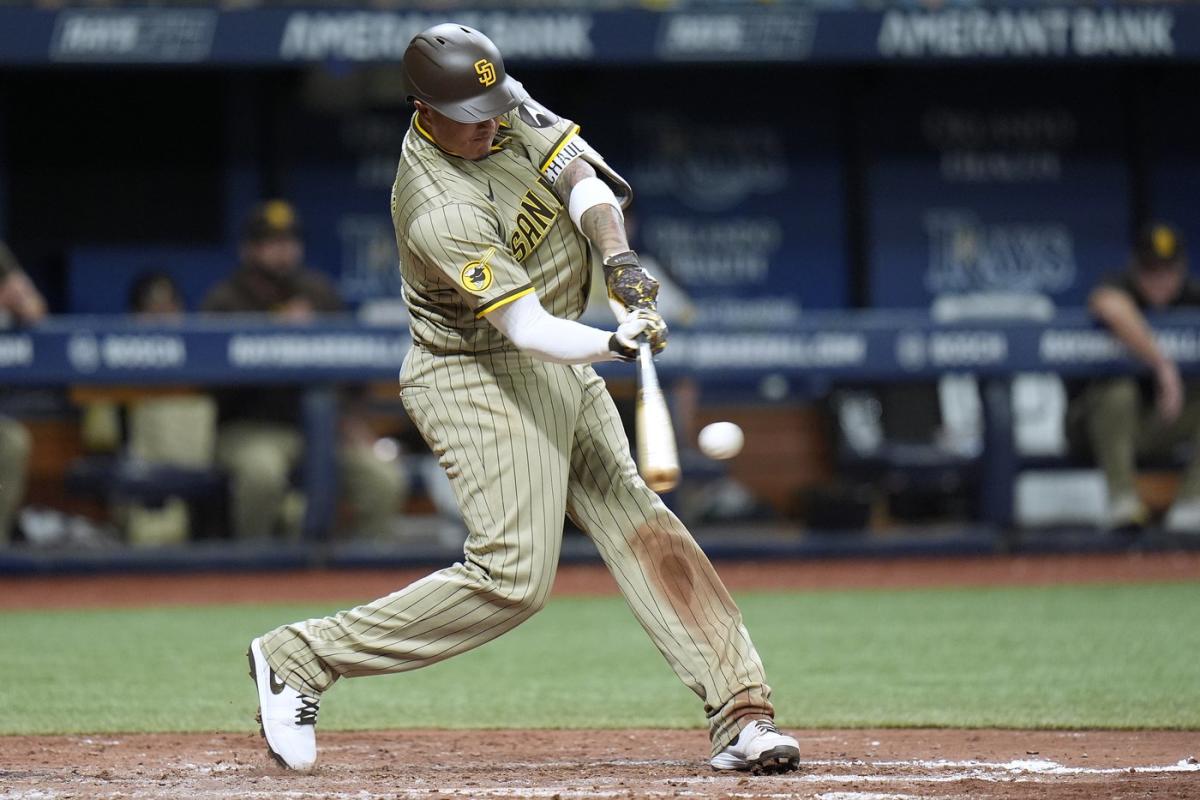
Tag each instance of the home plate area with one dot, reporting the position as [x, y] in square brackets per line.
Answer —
[836, 765]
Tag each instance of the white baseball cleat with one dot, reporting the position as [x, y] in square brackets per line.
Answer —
[1184, 517]
[287, 718]
[760, 747]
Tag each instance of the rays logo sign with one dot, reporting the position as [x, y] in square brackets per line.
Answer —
[486, 72]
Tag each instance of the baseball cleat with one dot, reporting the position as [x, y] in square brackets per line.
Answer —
[287, 719]
[760, 748]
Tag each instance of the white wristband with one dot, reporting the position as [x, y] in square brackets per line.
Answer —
[588, 193]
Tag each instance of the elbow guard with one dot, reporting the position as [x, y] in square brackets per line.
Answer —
[589, 193]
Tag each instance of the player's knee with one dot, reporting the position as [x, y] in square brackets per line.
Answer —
[532, 602]
[516, 588]
[376, 488]
[260, 468]
[1119, 396]
[661, 533]
[15, 443]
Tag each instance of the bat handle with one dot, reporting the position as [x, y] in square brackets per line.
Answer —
[646, 363]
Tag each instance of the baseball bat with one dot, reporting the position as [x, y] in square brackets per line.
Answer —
[658, 460]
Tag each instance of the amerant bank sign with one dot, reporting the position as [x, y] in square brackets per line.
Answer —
[1032, 32]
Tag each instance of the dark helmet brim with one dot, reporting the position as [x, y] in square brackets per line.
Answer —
[496, 100]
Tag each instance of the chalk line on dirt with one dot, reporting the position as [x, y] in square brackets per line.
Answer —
[905, 774]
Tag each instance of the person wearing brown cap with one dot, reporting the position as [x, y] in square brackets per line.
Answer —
[259, 440]
[20, 303]
[1124, 418]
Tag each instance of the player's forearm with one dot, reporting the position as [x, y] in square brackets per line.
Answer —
[1126, 322]
[19, 297]
[549, 338]
[604, 227]
[602, 223]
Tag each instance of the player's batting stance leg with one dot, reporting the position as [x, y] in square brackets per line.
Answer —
[672, 587]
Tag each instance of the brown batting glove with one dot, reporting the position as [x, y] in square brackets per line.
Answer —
[637, 291]
[628, 282]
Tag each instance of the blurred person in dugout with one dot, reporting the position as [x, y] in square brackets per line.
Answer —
[259, 441]
[20, 304]
[1122, 418]
[168, 428]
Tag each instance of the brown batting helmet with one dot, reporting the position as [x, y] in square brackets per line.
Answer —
[459, 72]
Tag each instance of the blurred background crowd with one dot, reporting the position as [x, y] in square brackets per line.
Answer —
[958, 159]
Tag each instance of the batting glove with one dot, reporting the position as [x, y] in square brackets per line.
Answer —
[641, 324]
[628, 282]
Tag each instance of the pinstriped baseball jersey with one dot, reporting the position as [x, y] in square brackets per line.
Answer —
[474, 235]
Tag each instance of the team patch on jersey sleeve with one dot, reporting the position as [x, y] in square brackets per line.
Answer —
[476, 276]
[570, 147]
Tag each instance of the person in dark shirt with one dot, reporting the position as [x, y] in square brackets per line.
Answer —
[1126, 417]
[21, 304]
[259, 440]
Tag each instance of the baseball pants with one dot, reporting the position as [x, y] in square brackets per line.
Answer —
[14, 462]
[1120, 425]
[259, 457]
[525, 443]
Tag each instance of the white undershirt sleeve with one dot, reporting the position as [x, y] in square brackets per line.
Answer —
[549, 338]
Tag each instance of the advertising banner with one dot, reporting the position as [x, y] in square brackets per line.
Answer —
[339, 174]
[723, 34]
[743, 208]
[745, 214]
[975, 188]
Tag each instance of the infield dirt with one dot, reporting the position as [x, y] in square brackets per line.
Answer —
[836, 765]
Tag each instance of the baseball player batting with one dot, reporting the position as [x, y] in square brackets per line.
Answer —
[498, 207]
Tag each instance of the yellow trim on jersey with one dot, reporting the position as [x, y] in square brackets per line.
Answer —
[503, 301]
[558, 148]
[416, 121]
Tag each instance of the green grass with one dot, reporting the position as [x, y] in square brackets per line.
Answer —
[1107, 656]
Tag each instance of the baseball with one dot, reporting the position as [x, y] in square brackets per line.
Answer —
[721, 440]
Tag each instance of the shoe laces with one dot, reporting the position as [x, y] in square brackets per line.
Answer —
[767, 725]
[307, 713]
